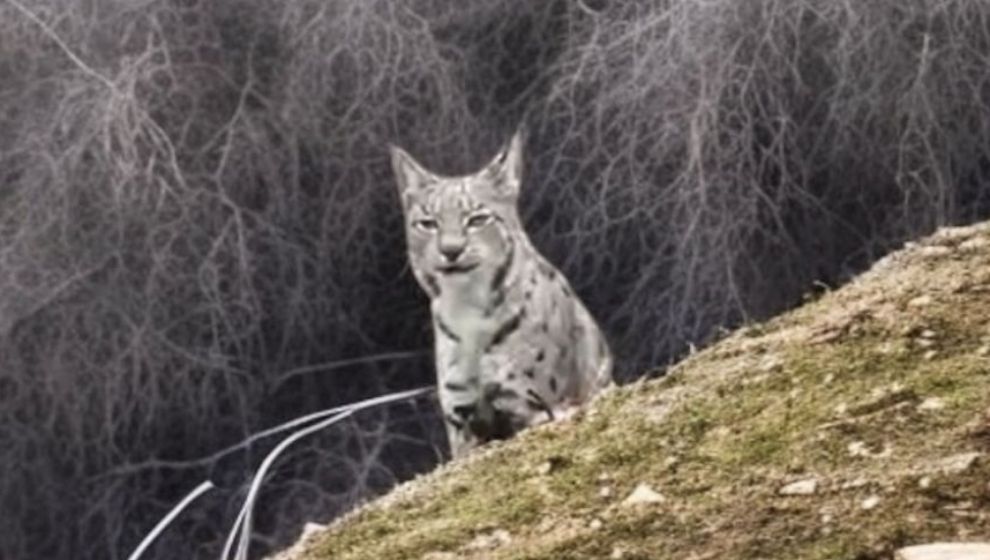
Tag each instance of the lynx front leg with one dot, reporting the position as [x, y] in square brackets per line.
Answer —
[461, 441]
[462, 401]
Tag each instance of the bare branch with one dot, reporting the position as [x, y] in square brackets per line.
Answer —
[86, 69]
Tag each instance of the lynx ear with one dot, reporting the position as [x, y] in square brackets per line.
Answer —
[506, 168]
[409, 174]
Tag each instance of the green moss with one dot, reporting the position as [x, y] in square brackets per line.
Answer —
[832, 392]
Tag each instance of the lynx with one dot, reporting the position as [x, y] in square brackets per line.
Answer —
[514, 347]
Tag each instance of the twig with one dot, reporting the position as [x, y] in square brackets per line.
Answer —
[340, 364]
[242, 525]
[360, 405]
[86, 68]
[146, 542]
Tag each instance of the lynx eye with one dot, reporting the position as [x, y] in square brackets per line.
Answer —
[478, 220]
[426, 224]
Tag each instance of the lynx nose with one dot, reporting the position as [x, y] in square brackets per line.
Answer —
[451, 252]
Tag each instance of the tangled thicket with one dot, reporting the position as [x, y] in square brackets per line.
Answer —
[198, 223]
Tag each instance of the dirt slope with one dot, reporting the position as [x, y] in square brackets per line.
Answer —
[854, 425]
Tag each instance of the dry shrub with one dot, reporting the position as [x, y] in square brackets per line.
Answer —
[197, 218]
[737, 152]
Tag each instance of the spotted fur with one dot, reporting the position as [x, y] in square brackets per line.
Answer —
[514, 346]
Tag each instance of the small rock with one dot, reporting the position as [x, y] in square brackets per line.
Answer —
[984, 351]
[771, 364]
[927, 333]
[606, 492]
[935, 251]
[861, 449]
[643, 494]
[925, 482]
[489, 541]
[920, 301]
[617, 553]
[945, 551]
[853, 484]
[958, 463]
[800, 488]
[965, 505]
[953, 235]
[551, 465]
[881, 398]
[596, 524]
[930, 355]
[870, 503]
[931, 404]
[858, 449]
[974, 244]
[311, 528]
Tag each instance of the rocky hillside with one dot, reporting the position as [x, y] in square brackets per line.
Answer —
[848, 428]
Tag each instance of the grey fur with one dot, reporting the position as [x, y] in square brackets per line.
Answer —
[514, 346]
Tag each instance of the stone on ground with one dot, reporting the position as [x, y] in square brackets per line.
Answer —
[945, 551]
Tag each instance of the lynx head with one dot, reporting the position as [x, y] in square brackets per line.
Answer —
[460, 225]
